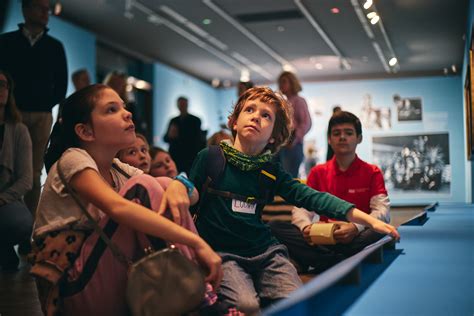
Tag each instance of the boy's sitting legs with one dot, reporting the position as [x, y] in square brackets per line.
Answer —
[278, 278]
[250, 282]
[319, 258]
[362, 240]
[237, 288]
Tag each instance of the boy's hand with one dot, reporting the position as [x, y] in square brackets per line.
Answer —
[176, 199]
[345, 232]
[385, 228]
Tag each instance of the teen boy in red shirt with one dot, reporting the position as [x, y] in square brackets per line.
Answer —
[349, 178]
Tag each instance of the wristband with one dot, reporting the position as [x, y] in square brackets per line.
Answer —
[186, 182]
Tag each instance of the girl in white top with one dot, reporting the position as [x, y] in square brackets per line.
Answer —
[95, 126]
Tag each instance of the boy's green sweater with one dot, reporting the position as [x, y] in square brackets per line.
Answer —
[246, 234]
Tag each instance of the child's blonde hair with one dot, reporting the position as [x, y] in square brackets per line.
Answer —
[283, 116]
[122, 152]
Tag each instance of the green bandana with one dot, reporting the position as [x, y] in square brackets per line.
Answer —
[242, 161]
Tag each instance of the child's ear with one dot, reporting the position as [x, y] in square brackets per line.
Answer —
[84, 132]
[359, 139]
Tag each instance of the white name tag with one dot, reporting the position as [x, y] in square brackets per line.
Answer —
[243, 207]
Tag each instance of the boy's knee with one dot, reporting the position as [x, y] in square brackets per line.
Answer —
[248, 304]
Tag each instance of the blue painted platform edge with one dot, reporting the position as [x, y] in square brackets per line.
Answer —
[417, 220]
[327, 278]
[432, 207]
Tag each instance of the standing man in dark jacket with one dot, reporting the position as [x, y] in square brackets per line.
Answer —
[185, 137]
[37, 63]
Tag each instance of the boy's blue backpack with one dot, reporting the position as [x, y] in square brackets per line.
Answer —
[215, 166]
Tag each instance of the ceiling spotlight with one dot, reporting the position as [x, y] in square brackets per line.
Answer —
[335, 10]
[142, 85]
[368, 4]
[371, 15]
[445, 71]
[206, 21]
[244, 75]
[280, 28]
[318, 66]
[287, 67]
[453, 68]
[374, 20]
[215, 82]
[393, 61]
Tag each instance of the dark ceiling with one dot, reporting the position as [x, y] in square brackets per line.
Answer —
[221, 39]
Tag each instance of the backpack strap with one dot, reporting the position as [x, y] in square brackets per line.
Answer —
[123, 173]
[267, 182]
[215, 165]
[230, 195]
[266, 186]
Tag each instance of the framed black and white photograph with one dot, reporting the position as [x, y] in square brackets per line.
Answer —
[408, 109]
[414, 163]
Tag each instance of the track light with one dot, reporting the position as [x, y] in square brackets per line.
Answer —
[393, 61]
[371, 15]
[215, 82]
[244, 75]
[368, 4]
[374, 20]
[288, 67]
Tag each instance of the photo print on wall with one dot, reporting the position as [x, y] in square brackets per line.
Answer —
[414, 163]
[374, 117]
[408, 109]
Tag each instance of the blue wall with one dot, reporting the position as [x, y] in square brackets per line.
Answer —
[79, 44]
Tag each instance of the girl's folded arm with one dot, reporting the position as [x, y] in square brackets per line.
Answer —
[92, 188]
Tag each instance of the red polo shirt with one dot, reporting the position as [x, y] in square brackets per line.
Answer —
[357, 185]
